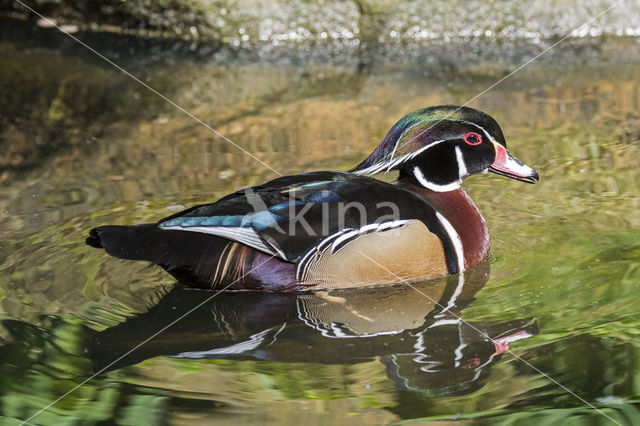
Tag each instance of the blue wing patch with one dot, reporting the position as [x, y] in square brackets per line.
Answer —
[258, 221]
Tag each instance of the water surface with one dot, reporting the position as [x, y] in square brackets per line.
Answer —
[85, 145]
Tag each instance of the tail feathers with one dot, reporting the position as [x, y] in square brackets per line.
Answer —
[189, 256]
[93, 239]
[137, 242]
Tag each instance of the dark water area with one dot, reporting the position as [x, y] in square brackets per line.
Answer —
[546, 332]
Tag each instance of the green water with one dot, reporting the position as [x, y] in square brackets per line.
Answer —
[84, 145]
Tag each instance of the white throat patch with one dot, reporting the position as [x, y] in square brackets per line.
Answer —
[462, 173]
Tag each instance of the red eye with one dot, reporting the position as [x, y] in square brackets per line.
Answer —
[473, 138]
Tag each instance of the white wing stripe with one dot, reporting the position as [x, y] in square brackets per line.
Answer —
[242, 235]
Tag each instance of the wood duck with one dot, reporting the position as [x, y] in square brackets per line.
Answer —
[332, 229]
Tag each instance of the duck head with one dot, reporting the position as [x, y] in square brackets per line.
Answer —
[439, 146]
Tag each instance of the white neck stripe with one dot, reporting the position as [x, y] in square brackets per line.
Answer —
[455, 240]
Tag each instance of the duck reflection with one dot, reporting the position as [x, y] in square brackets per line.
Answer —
[414, 330]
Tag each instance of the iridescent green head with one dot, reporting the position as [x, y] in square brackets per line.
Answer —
[440, 146]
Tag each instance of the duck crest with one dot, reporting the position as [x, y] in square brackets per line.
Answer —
[406, 138]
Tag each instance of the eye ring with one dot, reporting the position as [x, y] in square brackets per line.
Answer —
[472, 138]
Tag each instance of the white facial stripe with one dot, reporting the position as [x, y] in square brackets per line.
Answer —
[409, 156]
[462, 167]
[434, 186]
[457, 121]
[400, 138]
[371, 170]
[418, 152]
[378, 167]
[479, 127]
[487, 134]
[455, 240]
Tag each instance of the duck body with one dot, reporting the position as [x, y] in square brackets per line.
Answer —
[331, 229]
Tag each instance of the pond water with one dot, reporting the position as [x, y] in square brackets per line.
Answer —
[550, 331]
